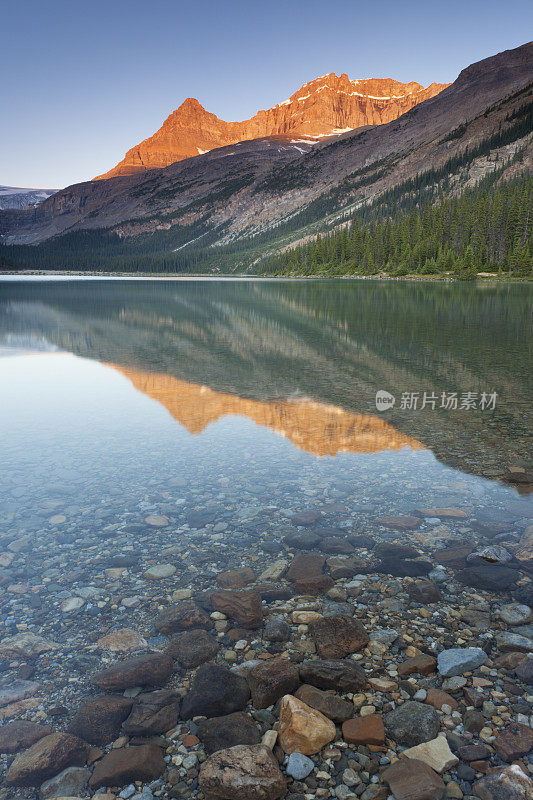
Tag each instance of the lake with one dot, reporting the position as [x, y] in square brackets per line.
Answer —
[157, 433]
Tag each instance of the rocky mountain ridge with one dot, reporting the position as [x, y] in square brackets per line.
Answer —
[255, 188]
[325, 106]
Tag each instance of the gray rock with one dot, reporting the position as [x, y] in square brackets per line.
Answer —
[17, 690]
[515, 613]
[412, 723]
[69, 783]
[459, 660]
[299, 766]
[513, 641]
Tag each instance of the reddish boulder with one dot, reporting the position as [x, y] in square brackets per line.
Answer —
[410, 779]
[244, 607]
[151, 669]
[338, 636]
[127, 764]
[46, 758]
[513, 741]
[271, 680]
[364, 730]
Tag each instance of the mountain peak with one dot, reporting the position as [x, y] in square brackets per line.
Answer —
[328, 105]
[190, 103]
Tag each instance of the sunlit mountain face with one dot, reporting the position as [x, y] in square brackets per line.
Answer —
[305, 359]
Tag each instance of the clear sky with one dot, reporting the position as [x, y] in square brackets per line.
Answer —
[82, 82]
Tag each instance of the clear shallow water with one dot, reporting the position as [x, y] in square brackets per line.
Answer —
[256, 395]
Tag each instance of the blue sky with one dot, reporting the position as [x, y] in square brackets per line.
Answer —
[83, 82]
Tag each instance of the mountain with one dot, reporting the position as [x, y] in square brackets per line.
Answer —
[236, 204]
[328, 105]
[15, 197]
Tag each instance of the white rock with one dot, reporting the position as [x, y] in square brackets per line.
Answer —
[436, 754]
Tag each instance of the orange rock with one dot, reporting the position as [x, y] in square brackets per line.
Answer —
[364, 730]
[437, 698]
[302, 729]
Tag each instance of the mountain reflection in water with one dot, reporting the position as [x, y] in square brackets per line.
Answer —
[336, 343]
[317, 428]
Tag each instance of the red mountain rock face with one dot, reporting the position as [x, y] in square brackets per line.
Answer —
[326, 106]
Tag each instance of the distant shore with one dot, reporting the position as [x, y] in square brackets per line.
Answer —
[95, 274]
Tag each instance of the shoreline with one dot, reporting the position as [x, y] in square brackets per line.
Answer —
[96, 274]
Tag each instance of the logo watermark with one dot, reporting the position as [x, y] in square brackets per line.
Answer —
[449, 401]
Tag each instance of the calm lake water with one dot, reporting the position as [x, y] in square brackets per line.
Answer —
[259, 394]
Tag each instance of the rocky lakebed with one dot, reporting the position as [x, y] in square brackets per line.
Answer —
[330, 649]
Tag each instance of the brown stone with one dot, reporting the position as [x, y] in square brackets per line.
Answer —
[46, 758]
[306, 517]
[185, 616]
[510, 660]
[152, 669]
[421, 665]
[20, 734]
[474, 752]
[127, 764]
[124, 640]
[215, 692]
[513, 741]
[219, 733]
[236, 578]
[339, 674]
[337, 545]
[338, 636]
[315, 584]
[410, 779]
[244, 607]
[306, 565]
[424, 592]
[242, 772]
[302, 729]
[271, 680]
[99, 720]
[442, 513]
[153, 713]
[364, 730]
[402, 523]
[454, 556]
[329, 704]
[438, 698]
[192, 648]
[345, 567]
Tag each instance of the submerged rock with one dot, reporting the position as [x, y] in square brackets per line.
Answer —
[46, 758]
[338, 636]
[412, 723]
[457, 661]
[410, 779]
[271, 680]
[219, 733]
[215, 692]
[343, 676]
[302, 729]
[118, 767]
[99, 720]
[332, 706]
[152, 669]
[242, 773]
